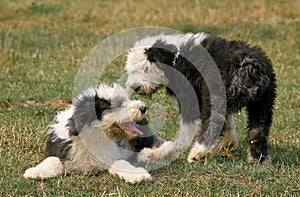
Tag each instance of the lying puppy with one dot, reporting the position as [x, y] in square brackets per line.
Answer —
[102, 129]
[243, 73]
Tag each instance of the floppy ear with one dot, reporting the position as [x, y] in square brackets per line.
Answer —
[72, 127]
[162, 53]
[101, 105]
[151, 54]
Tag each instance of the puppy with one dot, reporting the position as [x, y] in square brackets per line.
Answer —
[102, 130]
[224, 76]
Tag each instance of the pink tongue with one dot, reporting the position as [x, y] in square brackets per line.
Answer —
[130, 128]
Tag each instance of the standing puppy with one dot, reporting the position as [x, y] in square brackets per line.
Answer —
[98, 131]
[247, 77]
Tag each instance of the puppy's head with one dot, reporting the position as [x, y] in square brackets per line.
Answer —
[109, 109]
[148, 62]
[144, 75]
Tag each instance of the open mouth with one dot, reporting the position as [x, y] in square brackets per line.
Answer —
[129, 128]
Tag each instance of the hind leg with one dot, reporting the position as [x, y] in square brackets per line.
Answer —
[50, 167]
[259, 122]
[228, 140]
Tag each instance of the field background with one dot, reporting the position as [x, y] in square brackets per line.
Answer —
[42, 44]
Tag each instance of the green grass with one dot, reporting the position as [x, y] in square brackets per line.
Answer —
[42, 44]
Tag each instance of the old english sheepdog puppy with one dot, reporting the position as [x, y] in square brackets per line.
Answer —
[246, 74]
[103, 129]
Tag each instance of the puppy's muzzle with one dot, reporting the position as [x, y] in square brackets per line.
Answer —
[143, 109]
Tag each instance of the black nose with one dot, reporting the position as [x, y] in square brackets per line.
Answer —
[135, 88]
[143, 109]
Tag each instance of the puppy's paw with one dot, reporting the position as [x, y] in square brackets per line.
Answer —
[50, 167]
[166, 150]
[259, 159]
[39, 173]
[34, 173]
[199, 152]
[140, 177]
[129, 172]
[227, 145]
[146, 155]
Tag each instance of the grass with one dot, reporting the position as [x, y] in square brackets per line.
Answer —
[42, 44]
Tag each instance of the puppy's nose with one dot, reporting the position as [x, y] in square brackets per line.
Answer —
[143, 109]
[135, 88]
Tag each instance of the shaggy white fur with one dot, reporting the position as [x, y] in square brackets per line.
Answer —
[152, 154]
[226, 143]
[199, 151]
[48, 168]
[129, 172]
[83, 138]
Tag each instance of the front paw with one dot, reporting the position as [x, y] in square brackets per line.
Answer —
[129, 172]
[166, 151]
[199, 152]
[258, 157]
[50, 167]
[141, 177]
[35, 173]
[146, 155]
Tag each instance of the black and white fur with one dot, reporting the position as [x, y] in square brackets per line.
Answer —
[103, 129]
[248, 78]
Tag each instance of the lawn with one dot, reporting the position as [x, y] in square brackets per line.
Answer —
[43, 44]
